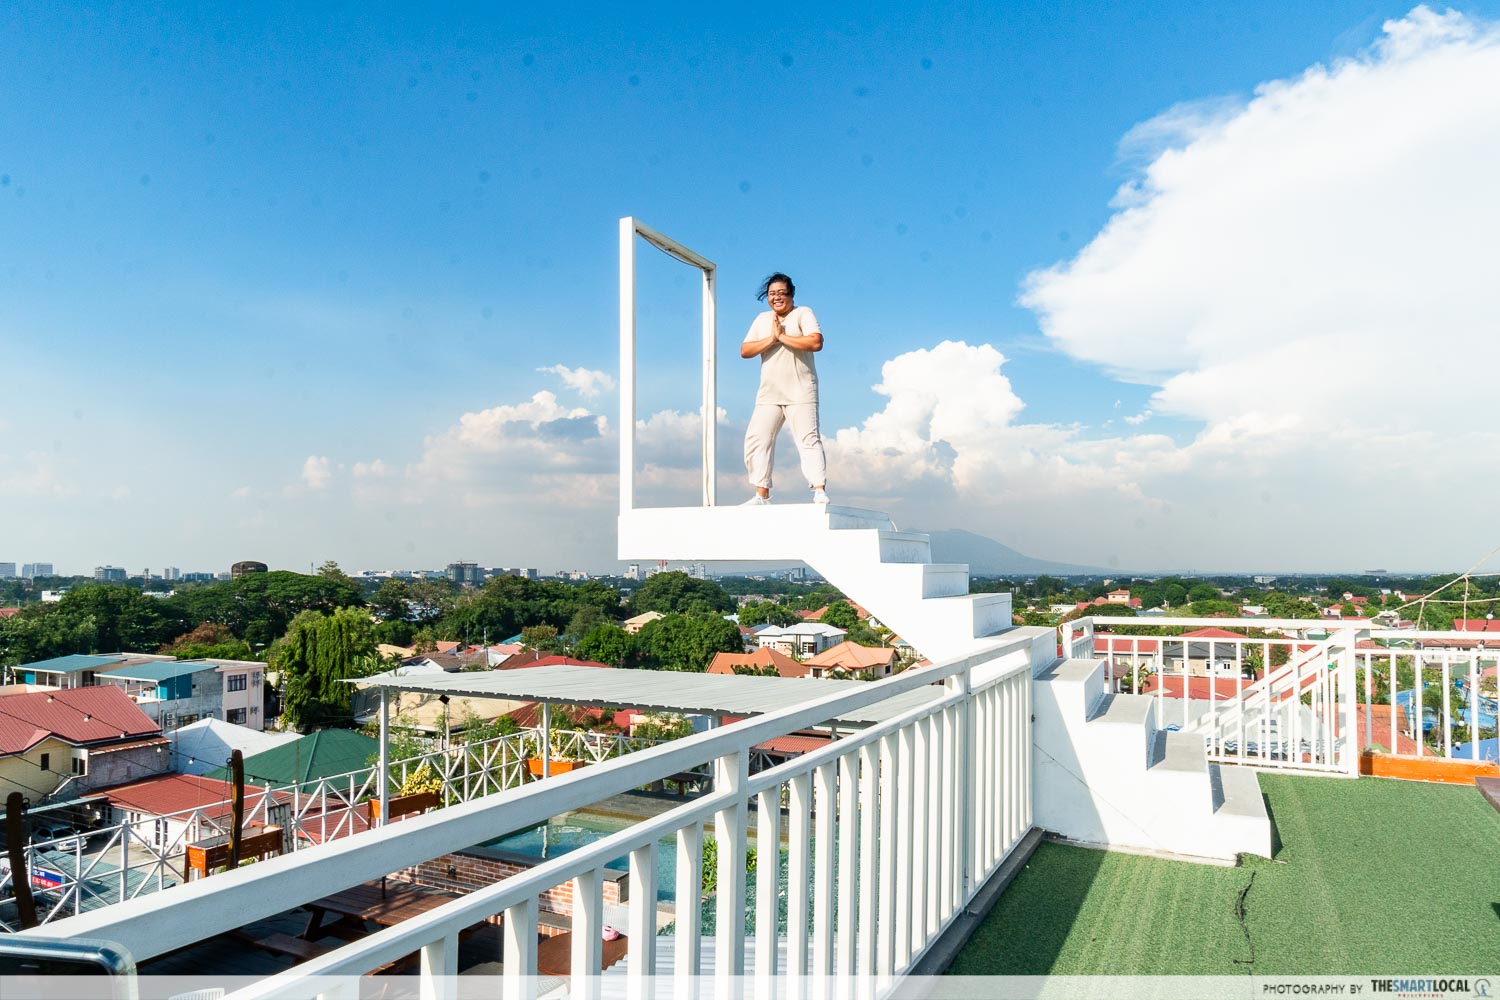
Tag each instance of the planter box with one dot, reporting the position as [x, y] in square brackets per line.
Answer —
[534, 766]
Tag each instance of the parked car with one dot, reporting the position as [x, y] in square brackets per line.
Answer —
[57, 837]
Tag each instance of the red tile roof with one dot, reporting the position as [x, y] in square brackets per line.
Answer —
[1124, 644]
[1477, 624]
[166, 794]
[1212, 633]
[793, 745]
[852, 656]
[9, 612]
[1380, 724]
[529, 715]
[1201, 688]
[554, 661]
[724, 663]
[81, 716]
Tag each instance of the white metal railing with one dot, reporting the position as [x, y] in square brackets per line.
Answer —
[1439, 699]
[891, 831]
[116, 863]
[1270, 701]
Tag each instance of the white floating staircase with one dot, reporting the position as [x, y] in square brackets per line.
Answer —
[1105, 774]
[888, 571]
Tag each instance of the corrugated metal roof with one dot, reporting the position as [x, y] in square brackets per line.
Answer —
[656, 690]
[317, 755]
[78, 715]
[72, 663]
[158, 670]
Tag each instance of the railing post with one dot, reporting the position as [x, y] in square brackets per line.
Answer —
[439, 969]
[966, 813]
[1347, 707]
[588, 930]
[642, 929]
[519, 956]
[384, 780]
[730, 774]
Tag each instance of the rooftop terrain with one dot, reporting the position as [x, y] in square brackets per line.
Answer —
[1369, 876]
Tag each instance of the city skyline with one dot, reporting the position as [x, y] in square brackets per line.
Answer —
[299, 286]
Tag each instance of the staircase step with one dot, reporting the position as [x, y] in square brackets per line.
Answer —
[945, 579]
[841, 518]
[1178, 751]
[904, 547]
[1123, 710]
[971, 615]
[1242, 795]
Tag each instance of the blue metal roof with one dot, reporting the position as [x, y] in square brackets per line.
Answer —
[72, 663]
[157, 671]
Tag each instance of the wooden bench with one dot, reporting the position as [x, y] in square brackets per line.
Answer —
[284, 944]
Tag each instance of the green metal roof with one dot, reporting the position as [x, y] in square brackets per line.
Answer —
[316, 755]
[71, 663]
[157, 671]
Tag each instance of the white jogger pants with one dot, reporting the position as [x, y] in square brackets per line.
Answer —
[760, 441]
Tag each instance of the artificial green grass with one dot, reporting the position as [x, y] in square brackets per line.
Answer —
[1372, 876]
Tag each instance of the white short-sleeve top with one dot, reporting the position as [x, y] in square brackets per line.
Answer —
[786, 375]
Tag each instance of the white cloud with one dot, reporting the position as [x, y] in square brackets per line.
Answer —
[370, 470]
[1307, 276]
[584, 381]
[316, 473]
[1138, 418]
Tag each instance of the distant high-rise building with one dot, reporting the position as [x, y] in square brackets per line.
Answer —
[530, 574]
[33, 570]
[466, 574]
[244, 566]
[110, 574]
[7, 571]
[633, 571]
[198, 578]
[171, 573]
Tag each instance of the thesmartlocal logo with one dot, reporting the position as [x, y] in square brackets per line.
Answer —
[1431, 987]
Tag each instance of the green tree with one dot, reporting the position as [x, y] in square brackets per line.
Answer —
[1204, 592]
[316, 654]
[767, 613]
[607, 643]
[540, 636]
[840, 614]
[687, 641]
[669, 592]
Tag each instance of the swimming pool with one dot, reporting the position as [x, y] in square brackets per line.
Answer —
[560, 836]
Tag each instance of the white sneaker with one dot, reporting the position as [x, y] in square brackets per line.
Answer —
[819, 496]
[757, 501]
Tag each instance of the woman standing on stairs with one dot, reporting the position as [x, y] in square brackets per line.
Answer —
[785, 338]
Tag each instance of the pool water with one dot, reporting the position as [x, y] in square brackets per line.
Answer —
[557, 837]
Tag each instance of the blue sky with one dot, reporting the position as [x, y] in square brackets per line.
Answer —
[233, 242]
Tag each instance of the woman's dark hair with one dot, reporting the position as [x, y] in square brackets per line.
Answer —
[765, 286]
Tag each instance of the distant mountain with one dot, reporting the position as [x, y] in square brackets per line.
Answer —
[987, 557]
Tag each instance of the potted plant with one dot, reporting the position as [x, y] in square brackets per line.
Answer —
[561, 756]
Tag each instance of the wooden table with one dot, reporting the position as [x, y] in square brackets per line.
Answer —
[554, 956]
[385, 904]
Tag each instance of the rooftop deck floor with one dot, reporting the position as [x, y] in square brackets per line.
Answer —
[1370, 876]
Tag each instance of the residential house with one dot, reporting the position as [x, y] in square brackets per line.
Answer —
[634, 625]
[803, 639]
[1209, 652]
[206, 744]
[766, 656]
[78, 670]
[173, 810]
[849, 659]
[1119, 597]
[76, 739]
[304, 760]
[178, 693]
[1122, 654]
